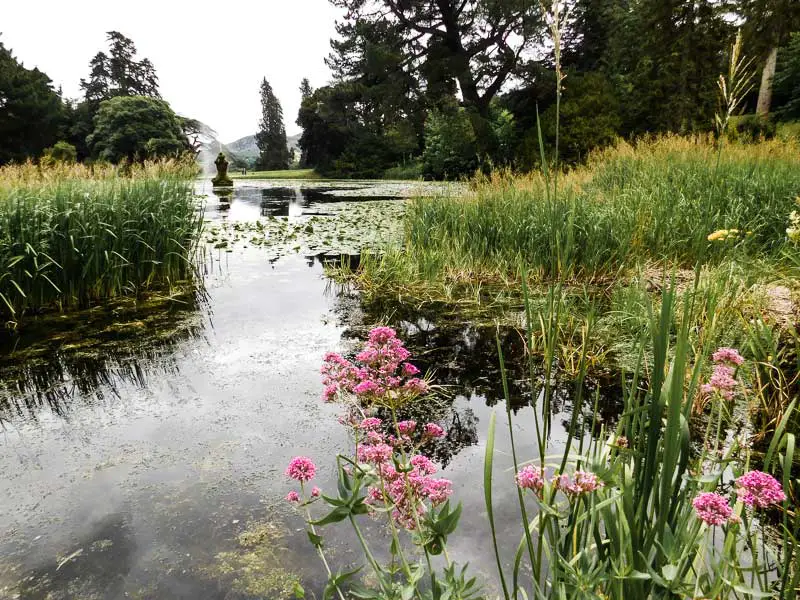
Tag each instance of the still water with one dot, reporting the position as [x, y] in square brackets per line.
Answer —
[139, 444]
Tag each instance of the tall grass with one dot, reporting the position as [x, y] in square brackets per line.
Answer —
[638, 536]
[657, 200]
[73, 235]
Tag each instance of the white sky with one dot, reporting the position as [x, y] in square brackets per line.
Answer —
[210, 56]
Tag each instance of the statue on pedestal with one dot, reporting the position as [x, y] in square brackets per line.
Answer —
[222, 179]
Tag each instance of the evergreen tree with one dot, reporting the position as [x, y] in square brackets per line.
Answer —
[305, 89]
[271, 136]
[118, 73]
[31, 111]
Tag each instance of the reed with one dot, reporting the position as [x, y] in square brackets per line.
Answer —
[74, 235]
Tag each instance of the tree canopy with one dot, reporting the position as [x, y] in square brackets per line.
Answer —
[133, 128]
[31, 111]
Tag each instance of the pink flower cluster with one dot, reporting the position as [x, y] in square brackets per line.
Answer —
[722, 379]
[301, 468]
[407, 491]
[759, 489]
[713, 509]
[584, 483]
[530, 478]
[727, 355]
[379, 370]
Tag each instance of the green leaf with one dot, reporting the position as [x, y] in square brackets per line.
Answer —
[315, 539]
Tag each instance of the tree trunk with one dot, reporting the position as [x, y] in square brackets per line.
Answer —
[765, 91]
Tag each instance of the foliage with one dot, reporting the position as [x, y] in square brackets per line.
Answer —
[71, 236]
[787, 80]
[134, 128]
[642, 517]
[450, 148]
[271, 136]
[752, 128]
[60, 152]
[31, 111]
[589, 118]
[118, 73]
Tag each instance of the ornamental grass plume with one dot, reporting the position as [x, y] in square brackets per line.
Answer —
[713, 509]
[759, 489]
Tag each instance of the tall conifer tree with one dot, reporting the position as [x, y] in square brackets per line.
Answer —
[271, 136]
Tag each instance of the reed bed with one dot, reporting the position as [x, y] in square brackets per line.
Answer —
[74, 235]
[658, 200]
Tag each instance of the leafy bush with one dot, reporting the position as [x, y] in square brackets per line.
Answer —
[751, 128]
[450, 148]
[60, 152]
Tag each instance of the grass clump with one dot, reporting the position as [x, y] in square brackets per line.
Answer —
[72, 235]
[658, 200]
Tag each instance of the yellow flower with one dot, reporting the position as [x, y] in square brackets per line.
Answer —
[719, 234]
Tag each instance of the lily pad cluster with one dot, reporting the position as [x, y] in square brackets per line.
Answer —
[335, 228]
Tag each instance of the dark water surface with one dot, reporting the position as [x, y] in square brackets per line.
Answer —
[139, 444]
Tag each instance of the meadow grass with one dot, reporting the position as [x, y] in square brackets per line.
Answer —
[74, 235]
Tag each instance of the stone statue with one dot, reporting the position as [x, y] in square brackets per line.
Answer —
[222, 179]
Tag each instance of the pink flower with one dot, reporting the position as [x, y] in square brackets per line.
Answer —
[727, 355]
[293, 497]
[379, 453]
[370, 424]
[530, 478]
[721, 382]
[585, 482]
[406, 427]
[423, 464]
[329, 395]
[315, 492]
[409, 370]
[433, 430]
[301, 468]
[381, 335]
[712, 509]
[416, 386]
[365, 387]
[759, 489]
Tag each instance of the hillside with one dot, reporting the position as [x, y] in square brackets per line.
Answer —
[246, 149]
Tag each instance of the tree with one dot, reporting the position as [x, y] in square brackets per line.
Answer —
[271, 136]
[787, 80]
[31, 111]
[133, 128]
[476, 43]
[118, 73]
[767, 27]
[305, 89]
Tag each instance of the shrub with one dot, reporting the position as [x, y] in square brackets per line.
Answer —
[60, 152]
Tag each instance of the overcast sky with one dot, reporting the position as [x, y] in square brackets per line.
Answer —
[209, 56]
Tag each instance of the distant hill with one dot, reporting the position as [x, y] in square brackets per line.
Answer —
[246, 149]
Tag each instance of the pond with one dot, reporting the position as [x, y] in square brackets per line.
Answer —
[144, 446]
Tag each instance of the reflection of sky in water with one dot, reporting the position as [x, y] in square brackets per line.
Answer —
[171, 439]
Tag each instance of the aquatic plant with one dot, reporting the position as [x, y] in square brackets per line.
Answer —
[72, 236]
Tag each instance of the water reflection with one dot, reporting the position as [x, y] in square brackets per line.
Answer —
[90, 354]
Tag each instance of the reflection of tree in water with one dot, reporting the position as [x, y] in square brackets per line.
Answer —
[81, 356]
[462, 357]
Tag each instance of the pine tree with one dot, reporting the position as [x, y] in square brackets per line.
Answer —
[305, 89]
[271, 136]
[118, 73]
